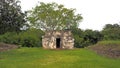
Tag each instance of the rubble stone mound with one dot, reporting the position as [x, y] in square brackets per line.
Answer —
[6, 47]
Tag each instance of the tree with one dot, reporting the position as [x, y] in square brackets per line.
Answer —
[78, 37]
[52, 16]
[111, 32]
[11, 16]
[92, 37]
[84, 38]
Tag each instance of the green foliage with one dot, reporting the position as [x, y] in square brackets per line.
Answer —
[78, 41]
[111, 32]
[40, 58]
[29, 38]
[86, 38]
[9, 37]
[92, 36]
[11, 16]
[51, 16]
[78, 36]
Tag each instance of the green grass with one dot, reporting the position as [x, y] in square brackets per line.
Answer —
[112, 44]
[41, 58]
[109, 42]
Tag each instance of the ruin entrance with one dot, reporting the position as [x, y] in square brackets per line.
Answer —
[58, 42]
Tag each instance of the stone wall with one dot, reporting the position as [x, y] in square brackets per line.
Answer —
[66, 39]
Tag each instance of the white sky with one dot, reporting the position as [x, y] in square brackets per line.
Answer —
[95, 13]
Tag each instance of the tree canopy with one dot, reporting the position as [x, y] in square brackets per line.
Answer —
[111, 32]
[51, 16]
[11, 16]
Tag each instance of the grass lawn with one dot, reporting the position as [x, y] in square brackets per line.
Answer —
[41, 58]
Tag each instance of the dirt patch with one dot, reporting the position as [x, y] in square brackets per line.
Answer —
[5, 47]
[112, 51]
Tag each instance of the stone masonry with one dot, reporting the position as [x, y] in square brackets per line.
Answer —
[58, 39]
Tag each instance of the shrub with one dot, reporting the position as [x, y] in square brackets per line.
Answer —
[28, 38]
[86, 38]
[10, 37]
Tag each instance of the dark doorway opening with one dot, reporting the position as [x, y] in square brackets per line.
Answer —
[57, 42]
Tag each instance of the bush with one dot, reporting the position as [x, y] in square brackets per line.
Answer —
[111, 32]
[10, 37]
[29, 38]
[86, 38]
[78, 41]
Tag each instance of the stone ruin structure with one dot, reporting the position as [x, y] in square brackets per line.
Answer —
[58, 39]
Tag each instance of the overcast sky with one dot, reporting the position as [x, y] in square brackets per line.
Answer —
[96, 13]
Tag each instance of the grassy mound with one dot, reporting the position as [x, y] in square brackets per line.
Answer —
[108, 48]
[40, 58]
[5, 47]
